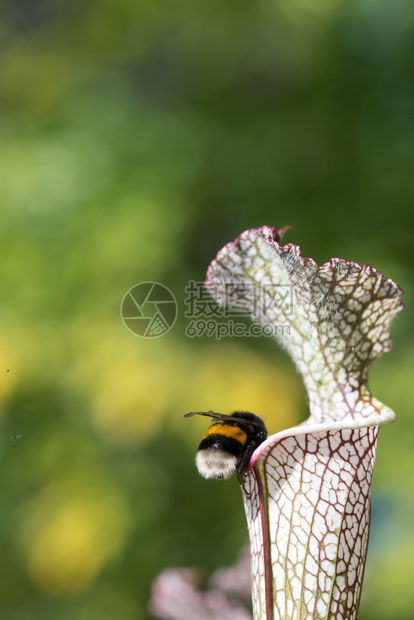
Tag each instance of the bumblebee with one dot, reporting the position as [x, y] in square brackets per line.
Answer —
[229, 443]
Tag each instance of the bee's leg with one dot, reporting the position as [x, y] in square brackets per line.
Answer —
[244, 461]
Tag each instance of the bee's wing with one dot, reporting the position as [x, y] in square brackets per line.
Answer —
[210, 414]
[223, 416]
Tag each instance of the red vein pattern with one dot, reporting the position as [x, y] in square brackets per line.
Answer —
[307, 494]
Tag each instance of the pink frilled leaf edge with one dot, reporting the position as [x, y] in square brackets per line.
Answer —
[307, 489]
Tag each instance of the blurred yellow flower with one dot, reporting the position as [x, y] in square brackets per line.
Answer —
[68, 540]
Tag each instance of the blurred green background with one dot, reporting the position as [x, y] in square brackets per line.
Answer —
[137, 138]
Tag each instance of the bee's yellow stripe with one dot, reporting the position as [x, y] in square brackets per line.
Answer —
[229, 431]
